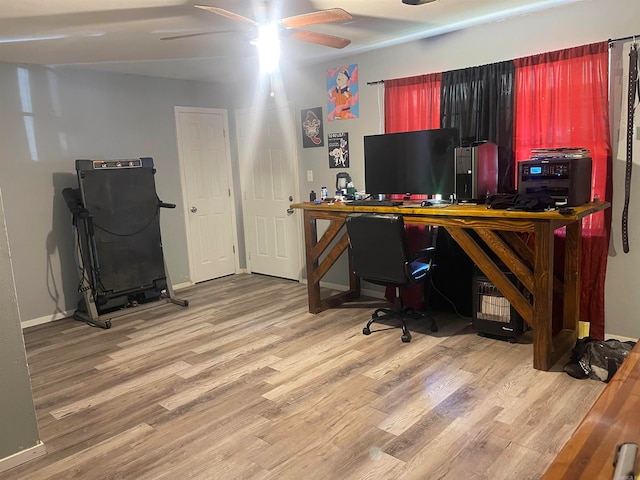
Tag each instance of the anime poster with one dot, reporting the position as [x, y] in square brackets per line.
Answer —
[312, 132]
[342, 93]
[338, 144]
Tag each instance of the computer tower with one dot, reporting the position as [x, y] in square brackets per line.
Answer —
[493, 315]
[476, 171]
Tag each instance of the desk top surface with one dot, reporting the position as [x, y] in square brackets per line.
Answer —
[457, 210]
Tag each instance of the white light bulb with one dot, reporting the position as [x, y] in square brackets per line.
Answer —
[268, 48]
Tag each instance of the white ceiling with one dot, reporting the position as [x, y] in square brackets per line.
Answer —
[124, 35]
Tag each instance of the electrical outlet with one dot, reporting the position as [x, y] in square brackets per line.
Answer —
[309, 175]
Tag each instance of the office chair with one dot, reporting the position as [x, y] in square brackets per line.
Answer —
[381, 255]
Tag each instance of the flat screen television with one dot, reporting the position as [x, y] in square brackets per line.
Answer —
[420, 162]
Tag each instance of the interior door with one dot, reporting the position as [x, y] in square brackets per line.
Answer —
[268, 164]
[205, 165]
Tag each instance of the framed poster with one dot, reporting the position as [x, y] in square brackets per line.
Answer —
[312, 131]
[342, 93]
[338, 144]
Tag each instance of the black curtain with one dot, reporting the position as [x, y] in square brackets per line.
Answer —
[479, 102]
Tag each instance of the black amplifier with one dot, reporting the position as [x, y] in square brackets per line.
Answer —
[563, 179]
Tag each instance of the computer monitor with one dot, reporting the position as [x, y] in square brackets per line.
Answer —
[419, 162]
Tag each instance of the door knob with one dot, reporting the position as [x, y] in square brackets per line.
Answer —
[291, 198]
[193, 209]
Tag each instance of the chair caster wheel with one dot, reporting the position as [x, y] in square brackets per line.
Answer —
[366, 331]
[406, 338]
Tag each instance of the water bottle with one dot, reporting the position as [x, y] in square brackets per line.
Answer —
[324, 193]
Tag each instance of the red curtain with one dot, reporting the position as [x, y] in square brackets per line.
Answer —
[562, 101]
[412, 103]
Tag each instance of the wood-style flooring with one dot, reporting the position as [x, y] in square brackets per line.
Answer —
[246, 384]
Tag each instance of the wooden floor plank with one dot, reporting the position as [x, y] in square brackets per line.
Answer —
[245, 383]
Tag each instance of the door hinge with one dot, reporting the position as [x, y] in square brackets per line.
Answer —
[233, 247]
[229, 191]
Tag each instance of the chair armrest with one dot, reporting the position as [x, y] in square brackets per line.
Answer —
[427, 252]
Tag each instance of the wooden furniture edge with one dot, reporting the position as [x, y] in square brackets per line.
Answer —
[612, 420]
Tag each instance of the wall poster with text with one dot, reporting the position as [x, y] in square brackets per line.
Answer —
[342, 93]
[338, 144]
[312, 131]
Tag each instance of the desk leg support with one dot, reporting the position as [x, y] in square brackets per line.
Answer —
[573, 254]
[313, 281]
[565, 340]
[334, 242]
[543, 297]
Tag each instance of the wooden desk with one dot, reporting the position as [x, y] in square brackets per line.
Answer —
[611, 421]
[498, 229]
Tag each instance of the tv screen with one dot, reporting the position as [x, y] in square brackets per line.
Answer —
[418, 162]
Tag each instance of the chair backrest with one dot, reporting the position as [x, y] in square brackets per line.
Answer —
[379, 248]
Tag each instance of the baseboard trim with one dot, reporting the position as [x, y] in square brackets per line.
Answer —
[373, 293]
[59, 316]
[608, 336]
[23, 456]
[342, 288]
[182, 285]
[46, 319]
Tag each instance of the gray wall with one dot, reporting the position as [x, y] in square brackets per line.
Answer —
[17, 414]
[83, 114]
[562, 27]
[50, 118]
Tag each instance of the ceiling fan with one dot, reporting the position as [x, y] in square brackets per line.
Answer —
[291, 24]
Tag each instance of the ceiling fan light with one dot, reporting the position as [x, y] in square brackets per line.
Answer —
[268, 45]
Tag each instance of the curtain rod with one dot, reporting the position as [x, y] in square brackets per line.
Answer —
[632, 37]
[376, 82]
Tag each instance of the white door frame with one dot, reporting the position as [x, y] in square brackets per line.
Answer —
[296, 162]
[183, 181]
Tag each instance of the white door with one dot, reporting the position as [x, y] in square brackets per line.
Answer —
[268, 165]
[205, 165]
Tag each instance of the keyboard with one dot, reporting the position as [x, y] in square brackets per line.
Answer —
[375, 203]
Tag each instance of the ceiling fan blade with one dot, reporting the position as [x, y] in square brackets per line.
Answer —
[320, 38]
[226, 13]
[189, 35]
[321, 16]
